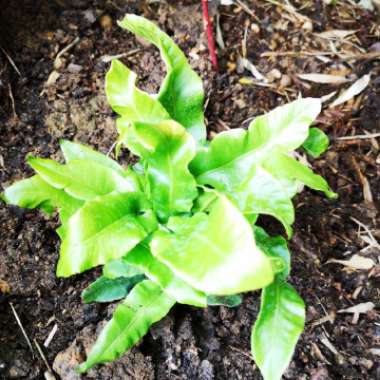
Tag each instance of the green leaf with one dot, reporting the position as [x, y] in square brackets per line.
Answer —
[236, 162]
[181, 92]
[279, 324]
[316, 143]
[289, 168]
[81, 179]
[261, 193]
[129, 101]
[275, 247]
[235, 151]
[228, 301]
[163, 276]
[108, 290]
[205, 200]
[215, 252]
[166, 149]
[75, 151]
[34, 192]
[119, 268]
[104, 229]
[146, 304]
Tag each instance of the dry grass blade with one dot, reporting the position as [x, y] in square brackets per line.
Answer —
[323, 78]
[9, 58]
[336, 34]
[355, 89]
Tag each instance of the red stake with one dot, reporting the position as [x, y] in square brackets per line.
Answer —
[210, 36]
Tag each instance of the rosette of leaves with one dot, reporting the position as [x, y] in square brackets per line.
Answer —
[179, 226]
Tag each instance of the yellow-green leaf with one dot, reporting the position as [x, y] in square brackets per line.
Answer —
[107, 290]
[158, 272]
[146, 304]
[129, 101]
[104, 229]
[166, 149]
[214, 252]
[279, 324]
[316, 143]
[34, 192]
[181, 92]
[81, 179]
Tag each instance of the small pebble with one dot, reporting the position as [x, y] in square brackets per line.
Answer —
[255, 28]
[106, 22]
[273, 75]
[307, 25]
[74, 68]
[285, 81]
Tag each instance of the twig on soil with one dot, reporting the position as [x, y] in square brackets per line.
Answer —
[324, 340]
[65, 49]
[11, 61]
[328, 318]
[50, 336]
[369, 239]
[21, 328]
[367, 193]
[12, 101]
[111, 148]
[49, 370]
[357, 137]
[357, 57]
[210, 35]
[109, 58]
[241, 352]
[315, 350]
[246, 9]
[290, 9]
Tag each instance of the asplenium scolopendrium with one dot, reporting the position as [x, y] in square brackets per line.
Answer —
[180, 225]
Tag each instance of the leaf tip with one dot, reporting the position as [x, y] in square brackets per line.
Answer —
[3, 197]
[82, 368]
[30, 159]
[332, 195]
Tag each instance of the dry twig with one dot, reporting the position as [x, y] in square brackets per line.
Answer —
[21, 328]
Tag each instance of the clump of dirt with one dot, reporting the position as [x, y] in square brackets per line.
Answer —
[64, 98]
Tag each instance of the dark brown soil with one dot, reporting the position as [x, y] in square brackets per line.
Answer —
[190, 343]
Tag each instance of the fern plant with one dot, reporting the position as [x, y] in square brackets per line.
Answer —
[179, 226]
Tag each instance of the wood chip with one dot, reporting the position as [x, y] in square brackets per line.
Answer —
[361, 308]
[355, 262]
[336, 34]
[323, 78]
[4, 287]
[375, 351]
[325, 341]
[244, 63]
[51, 336]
